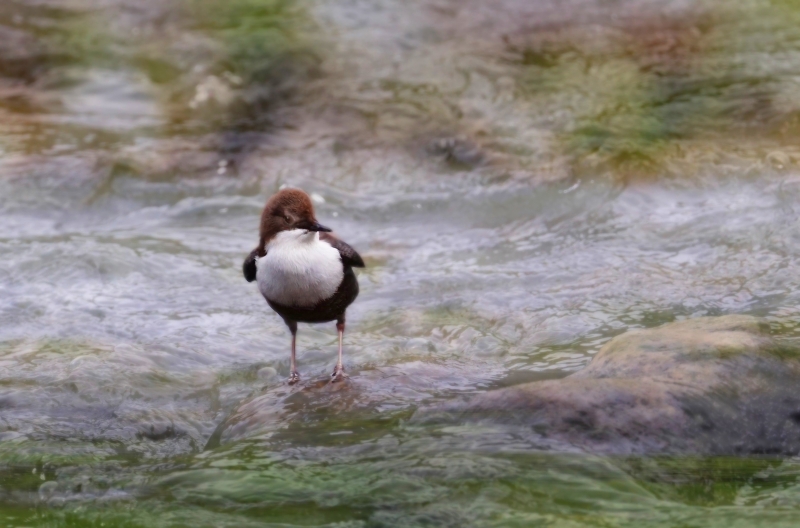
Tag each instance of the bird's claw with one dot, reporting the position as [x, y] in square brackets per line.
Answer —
[294, 378]
[338, 374]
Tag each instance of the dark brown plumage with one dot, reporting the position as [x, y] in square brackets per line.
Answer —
[282, 211]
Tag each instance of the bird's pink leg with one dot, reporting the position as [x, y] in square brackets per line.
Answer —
[338, 370]
[294, 377]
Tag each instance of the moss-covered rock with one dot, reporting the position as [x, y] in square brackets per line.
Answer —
[708, 386]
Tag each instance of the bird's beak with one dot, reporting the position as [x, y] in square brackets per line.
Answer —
[309, 225]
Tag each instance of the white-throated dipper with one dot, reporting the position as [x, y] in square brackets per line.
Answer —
[303, 271]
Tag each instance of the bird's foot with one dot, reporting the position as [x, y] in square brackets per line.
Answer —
[294, 378]
[338, 374]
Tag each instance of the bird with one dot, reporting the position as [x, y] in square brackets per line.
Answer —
[304, 272]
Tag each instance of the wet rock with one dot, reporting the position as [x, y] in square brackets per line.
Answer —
[457, 152]
[361, 407]
[779, 159]
[21, 55]
[158, 431]
[706, 386]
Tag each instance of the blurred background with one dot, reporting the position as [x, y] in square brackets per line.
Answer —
[525, 179]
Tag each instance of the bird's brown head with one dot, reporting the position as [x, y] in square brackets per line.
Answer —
[288, 209]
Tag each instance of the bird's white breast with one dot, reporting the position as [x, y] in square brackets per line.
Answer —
[299, 269]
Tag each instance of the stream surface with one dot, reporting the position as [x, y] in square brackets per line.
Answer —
[525, 181]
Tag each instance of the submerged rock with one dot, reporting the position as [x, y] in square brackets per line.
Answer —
[712, 385]
[362, 407]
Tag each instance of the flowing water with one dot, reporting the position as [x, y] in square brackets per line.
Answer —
[525, 180]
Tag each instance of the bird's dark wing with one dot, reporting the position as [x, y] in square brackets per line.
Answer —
[249, 267]
[349, 255]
